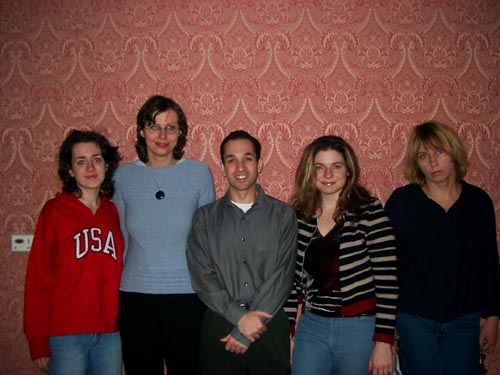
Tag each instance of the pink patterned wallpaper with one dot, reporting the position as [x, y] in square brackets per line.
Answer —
[287, 71]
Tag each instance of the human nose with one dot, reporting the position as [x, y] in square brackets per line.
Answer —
[90, 165]
[239, 165]
[432, 160]
[162, 132]
[328, 172]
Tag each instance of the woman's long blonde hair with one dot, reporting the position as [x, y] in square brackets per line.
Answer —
[307, 197]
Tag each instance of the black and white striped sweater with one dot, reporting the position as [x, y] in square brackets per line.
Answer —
[368, 267]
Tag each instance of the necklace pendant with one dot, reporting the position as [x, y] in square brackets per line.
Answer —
[160, 194]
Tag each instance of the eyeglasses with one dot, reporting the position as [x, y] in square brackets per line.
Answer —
[156, 129]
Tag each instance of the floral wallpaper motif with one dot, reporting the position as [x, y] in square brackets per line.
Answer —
[287, 71]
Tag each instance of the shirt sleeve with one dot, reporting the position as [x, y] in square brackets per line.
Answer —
[203, 274]
[207, 194]
[119, 202]
[40, 283]
[296, 297]
[292, 307]
[490, 288]
[381, 245]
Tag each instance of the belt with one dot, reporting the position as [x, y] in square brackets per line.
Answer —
[338, 314]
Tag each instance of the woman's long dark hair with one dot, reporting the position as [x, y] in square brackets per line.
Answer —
[307, 197]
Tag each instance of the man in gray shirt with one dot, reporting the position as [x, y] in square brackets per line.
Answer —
[241, 257]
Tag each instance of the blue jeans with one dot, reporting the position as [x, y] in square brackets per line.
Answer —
[333, 346]
[430, 347]
[86, 354]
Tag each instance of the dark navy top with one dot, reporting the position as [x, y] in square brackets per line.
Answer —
[447, 261]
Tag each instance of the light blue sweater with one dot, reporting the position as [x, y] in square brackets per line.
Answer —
[155, 230]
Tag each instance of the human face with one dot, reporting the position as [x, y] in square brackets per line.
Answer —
[160, 145]
[436, 164]
[331, 172]
[241, 167]
[87, 166]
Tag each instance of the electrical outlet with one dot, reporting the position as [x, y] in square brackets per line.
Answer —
[21, 242]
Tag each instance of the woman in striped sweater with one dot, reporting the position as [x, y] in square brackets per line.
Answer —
[346, 268]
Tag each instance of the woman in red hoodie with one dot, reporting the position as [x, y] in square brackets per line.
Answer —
[73, 276]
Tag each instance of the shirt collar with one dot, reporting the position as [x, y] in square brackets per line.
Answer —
[262, 198]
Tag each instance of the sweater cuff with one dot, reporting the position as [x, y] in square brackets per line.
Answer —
[39, 348]
[384, 337]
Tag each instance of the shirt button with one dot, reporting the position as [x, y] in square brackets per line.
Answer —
[246, 284]
[243, 240]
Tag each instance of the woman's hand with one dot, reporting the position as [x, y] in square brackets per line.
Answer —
[381, 361]
[488, 335]
[42, 364]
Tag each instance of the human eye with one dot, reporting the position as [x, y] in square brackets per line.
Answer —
[440, 152]
[422, 156]
[319, 167]
[80, 162]
[171, 128]
[153, 127]
[338, 166]
[98, 159]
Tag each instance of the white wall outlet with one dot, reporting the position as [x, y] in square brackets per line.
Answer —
[21, 242]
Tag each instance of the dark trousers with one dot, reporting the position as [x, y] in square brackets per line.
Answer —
[268, 355]
[159, 330]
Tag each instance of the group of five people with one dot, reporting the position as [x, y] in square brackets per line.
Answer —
[333, 283]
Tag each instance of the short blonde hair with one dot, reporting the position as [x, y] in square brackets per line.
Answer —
[436, 135]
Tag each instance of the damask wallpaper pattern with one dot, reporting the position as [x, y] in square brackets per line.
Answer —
[287, 71]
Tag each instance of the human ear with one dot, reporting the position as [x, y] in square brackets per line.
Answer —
[260, 166]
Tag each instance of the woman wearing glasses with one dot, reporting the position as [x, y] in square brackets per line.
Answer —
[156, 196]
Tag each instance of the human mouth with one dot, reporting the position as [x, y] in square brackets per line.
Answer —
[162, 145]
[328, 183]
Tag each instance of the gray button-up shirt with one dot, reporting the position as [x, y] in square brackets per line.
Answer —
[237, 258]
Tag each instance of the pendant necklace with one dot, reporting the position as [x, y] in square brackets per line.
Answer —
[160, 194]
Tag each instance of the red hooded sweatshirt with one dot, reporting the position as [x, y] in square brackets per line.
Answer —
[74, 271]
